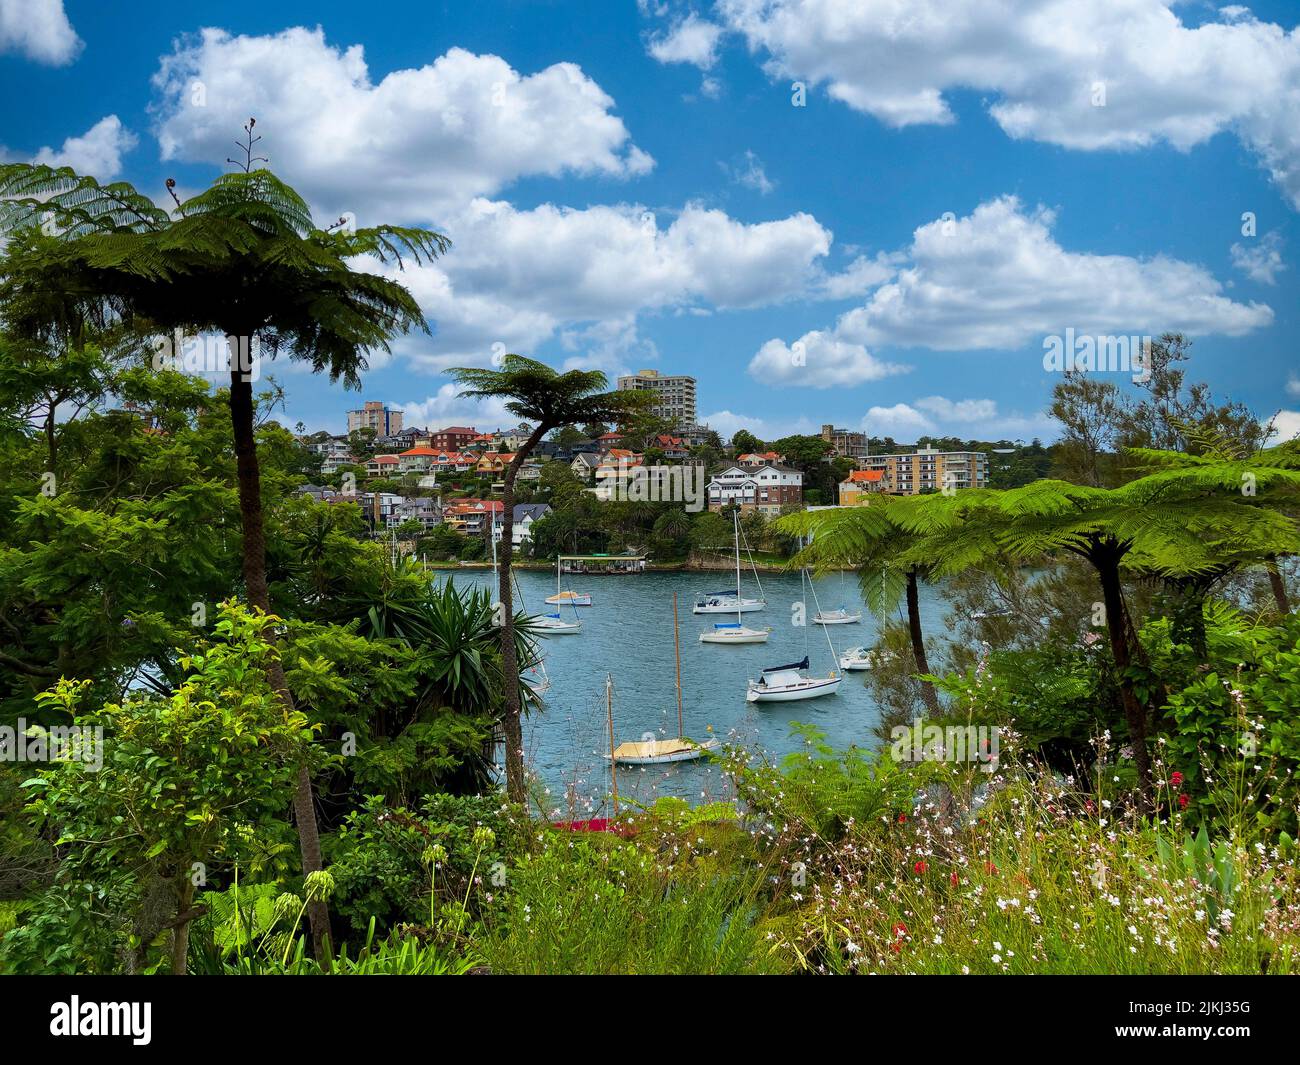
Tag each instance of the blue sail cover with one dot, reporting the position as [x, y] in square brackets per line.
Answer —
[792, 665]
[726, 624]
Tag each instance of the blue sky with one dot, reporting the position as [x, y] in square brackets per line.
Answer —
[631, 185]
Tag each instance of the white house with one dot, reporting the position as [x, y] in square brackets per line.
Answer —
[525, 515]
[766, 488]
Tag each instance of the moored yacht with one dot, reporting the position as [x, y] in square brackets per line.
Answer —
[784, 684]
[734, 632]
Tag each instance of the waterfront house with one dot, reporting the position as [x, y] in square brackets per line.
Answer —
[766, 489]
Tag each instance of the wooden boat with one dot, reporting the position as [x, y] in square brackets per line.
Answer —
[567, 597]
[653, 751]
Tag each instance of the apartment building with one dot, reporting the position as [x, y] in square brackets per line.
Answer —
[765, 488]
[674, 396]
[374, 415]
[928, 470]
[453, 438]
[847, 443]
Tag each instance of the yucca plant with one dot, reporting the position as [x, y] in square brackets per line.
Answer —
[243, 259]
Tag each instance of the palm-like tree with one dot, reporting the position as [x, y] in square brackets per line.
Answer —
[243, 259]
[1167, 524]
[547, 400]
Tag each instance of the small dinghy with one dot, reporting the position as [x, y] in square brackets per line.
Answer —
[734, 632]
[836, 617]
[785, 684]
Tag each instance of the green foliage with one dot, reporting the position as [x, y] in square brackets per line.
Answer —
[819, 789]
[600, 906]
[1236, 739]
[380, 867]
[189, 785]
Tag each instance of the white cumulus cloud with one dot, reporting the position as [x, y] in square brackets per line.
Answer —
[39, 30]
[97, 152]
[1260, 261]
[1101, 74]
[405, 148]
[690, 39]
[819, 360]
[519, 278]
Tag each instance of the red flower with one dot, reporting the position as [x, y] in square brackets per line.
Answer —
[990, 868]
[1176, 780]
[1182, 802]
[920, 867]
[953, 878]
[902, 819]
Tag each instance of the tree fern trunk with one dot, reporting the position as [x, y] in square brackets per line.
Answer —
[512, 728]
[254, 569]
[1106, 561]
[928, 693]
[1278, 585]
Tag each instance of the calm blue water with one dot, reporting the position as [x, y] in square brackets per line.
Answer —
[628, 634]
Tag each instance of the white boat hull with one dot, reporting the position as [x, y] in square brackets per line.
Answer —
[727, 606]
[854, 665]
[735, 636]
[809, 688]
[847, 619]
[564, 628]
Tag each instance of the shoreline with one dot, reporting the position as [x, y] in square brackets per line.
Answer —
[692, 566]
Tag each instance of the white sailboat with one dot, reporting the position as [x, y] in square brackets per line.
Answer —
[857, 659]
[733, 632]
[788, 683]
[659, 752]
[836, 617]
[554, 625]
[567, 597]
[843, 616]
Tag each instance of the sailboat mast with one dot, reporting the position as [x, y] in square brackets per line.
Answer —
[677, 651]
[735, 518]
[609, 711]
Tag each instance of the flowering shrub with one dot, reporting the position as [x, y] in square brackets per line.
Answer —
[1237, 735]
